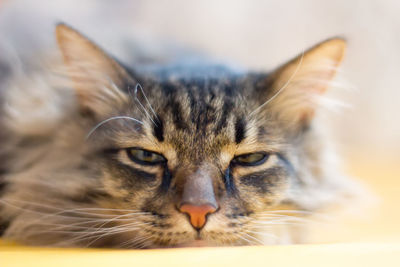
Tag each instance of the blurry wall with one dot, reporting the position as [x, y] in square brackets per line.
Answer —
[256, 34]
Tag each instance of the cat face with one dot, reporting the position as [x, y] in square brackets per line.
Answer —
[168, 161]
[197, 151]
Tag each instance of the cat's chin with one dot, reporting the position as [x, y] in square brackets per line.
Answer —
[192, 244]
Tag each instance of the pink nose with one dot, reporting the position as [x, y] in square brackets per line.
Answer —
[197, 213]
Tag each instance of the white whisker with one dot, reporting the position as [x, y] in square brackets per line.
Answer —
[282, 88]
[110, 119]
[140, 104]
[147, 100]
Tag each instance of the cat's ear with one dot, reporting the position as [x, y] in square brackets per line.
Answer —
[98, 79]
[295, 88]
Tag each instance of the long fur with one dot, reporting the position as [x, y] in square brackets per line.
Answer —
[62, 187]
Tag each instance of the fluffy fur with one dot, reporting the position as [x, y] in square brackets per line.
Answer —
[67, 180]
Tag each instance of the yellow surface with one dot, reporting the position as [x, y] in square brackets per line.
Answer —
[372, 240]
[299, 255]
[380, 219]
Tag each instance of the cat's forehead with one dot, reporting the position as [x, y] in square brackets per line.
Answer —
[202, 116]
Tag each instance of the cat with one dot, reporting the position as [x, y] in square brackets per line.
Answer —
[167, 157]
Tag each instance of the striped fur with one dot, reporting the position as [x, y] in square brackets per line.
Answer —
[66, 178]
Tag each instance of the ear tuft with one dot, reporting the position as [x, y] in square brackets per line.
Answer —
[98, 79]
[296, 85]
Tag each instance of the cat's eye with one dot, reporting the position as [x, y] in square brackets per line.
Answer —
[145, 157]
[251, 159]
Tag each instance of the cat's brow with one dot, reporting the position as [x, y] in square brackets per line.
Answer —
[240, 130]
[158, 129]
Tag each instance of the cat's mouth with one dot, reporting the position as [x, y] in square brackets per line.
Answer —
[197, 242]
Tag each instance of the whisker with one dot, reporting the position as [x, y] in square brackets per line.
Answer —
[143, 245]
[110, 231]
[76, 209]
[268, 225]
[263, 234]
[145, 97]
[288, 219]
[280, 217]
[134, 241]
[140, 104]
[113, 219]
[110, 119]
[290, 211]
[254, 238]
[80, 211]
[282, 88]
[117, 230]
[94, 223]
[73, 229]
[246, 240]
[294, 214]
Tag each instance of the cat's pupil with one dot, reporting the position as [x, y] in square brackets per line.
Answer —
[146, 155]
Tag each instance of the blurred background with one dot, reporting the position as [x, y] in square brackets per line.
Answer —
[259, 35]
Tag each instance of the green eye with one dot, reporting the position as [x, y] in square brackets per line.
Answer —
[144, 157]
[251, 159]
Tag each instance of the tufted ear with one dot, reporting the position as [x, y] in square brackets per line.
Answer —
[294, 88]
[98, 79]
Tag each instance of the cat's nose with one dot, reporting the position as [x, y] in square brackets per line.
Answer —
[197, 213]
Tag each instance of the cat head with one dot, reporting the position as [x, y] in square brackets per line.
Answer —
[213, 158]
